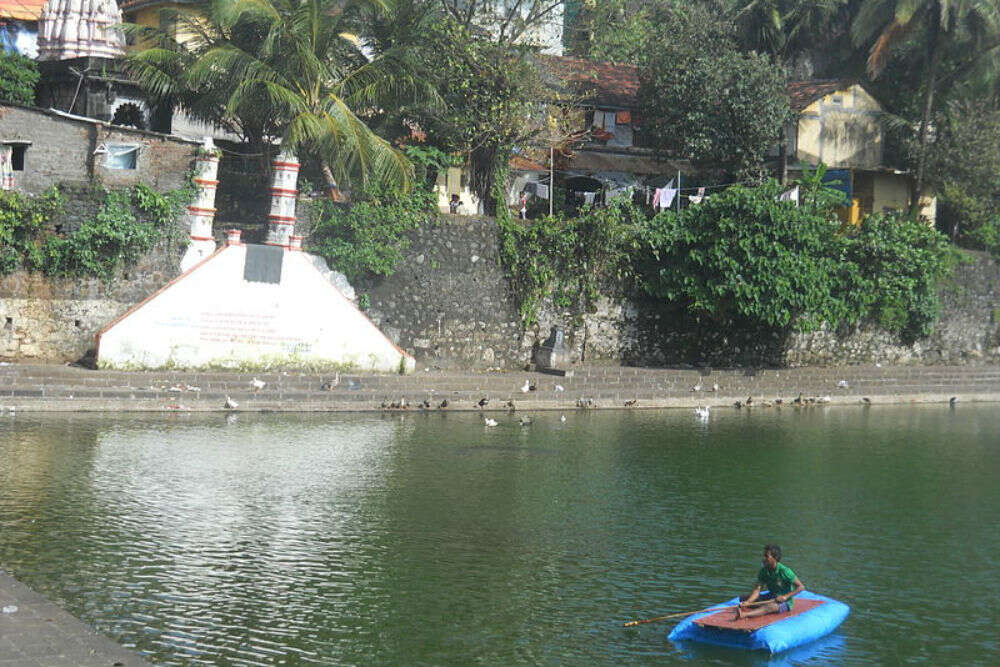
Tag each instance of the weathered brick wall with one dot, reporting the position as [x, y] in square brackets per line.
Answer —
[62, 150]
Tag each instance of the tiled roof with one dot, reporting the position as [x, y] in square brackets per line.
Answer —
[22, 10]
[602, 84]
[519, 163]
[803, 93]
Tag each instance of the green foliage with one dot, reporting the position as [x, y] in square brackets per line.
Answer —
[18, 77]
[494, 100]
[703, 99]
[965, 168]
[743, 255]
[128, 224]
[613, 30]
[573, 260]
[744, 259]
[900, 263]
[23, 220]
[368, 237]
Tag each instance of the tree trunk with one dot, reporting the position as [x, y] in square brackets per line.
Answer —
[332, 189]
[931, 82]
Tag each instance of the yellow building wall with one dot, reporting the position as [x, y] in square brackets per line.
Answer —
[842, 129]
[151, 17]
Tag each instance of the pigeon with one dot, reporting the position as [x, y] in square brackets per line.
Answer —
[510, 406]
[559, 387]
[738, 405]
[952, 401]
[697, 387]
[866, 400]
[524, 420]
[489, 422]
[230, 404]
[425, 405]
[749, 400]
[482, 402]
[444, 404]
[526, 387]
[631, 402]
[715, 386]
[798, 400]
[778, 401]
[823, 399]
[842, 384]
[562, 418]
[532, 387]
[257, 385]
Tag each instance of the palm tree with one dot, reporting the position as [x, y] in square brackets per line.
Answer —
[938, 23]
[296, 68]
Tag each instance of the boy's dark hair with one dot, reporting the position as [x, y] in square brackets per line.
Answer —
[774, 550]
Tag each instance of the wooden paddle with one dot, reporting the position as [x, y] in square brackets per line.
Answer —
[696, 611]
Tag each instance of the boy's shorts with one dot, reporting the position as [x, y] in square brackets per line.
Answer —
[783, 608]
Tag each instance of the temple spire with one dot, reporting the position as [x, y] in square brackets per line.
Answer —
[80, 29]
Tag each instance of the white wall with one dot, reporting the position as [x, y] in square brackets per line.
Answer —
[211, 317]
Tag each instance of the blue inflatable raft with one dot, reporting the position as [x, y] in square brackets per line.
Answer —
[812, 617]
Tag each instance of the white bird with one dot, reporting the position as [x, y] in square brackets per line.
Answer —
[231, 404]
[526, 387]
[842, 384]
[702, 411]
[559, 387]
[525, 420]
[562, 418]
[489, 422]
[257, 384]
[697, 387]
[823, 399]
[715, 387]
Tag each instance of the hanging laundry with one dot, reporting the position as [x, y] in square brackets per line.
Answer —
[790, 195]
[623, 118]
[667, 197]
[6, 167]
[531, 188]
[542, 191]
[696, 199]
[588, 197]
[656, 197]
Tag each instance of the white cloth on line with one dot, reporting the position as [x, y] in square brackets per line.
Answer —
[542, 191]
[667, 197]
[791, 195]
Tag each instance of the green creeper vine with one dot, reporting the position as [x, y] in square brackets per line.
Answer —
[128, 224]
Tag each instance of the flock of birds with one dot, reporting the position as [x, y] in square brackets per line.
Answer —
[702, 412]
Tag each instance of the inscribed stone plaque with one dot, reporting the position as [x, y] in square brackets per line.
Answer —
[263, 264]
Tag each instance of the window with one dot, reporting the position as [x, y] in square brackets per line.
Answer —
[121, 156]
[18, 152]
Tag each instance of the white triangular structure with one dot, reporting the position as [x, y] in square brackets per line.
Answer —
[213, 317]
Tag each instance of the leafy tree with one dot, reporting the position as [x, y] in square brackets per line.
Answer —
[494, 102]
[506, 22]
[613, 30]
[938, 25]
[293, 67]
[786, 28]
[703, 99]
[18, 76]
[964, 168]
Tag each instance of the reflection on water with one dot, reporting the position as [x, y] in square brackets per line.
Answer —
[427, 539]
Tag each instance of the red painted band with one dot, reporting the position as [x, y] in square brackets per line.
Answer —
[281, 219]
[202, 238]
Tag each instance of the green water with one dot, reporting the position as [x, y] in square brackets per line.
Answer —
[433, 540]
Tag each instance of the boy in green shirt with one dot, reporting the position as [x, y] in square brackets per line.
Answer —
[779, 580]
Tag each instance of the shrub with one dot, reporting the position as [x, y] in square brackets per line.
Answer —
[18, 77]
[367, 238]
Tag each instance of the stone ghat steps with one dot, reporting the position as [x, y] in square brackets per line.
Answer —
[69, 388]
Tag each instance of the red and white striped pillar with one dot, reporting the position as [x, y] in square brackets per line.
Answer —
[201, 212]
[281, 220]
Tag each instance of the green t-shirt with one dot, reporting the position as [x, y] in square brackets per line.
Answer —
[779, 581]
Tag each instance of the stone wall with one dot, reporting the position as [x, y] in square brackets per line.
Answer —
[56, 319]
[449, 305]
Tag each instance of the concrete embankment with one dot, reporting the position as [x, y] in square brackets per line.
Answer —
[65, 388]
[34, 632]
